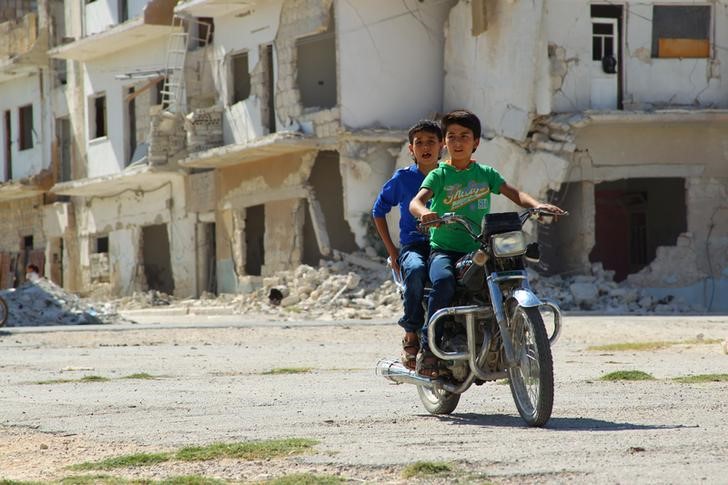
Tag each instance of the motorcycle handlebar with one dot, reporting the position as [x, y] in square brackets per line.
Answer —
[542, 216]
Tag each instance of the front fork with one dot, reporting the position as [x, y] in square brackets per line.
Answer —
[524, 297]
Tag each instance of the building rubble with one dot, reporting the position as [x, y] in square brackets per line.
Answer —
[359, 287]
[44, 303]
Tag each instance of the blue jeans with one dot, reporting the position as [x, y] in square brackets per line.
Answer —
[442, 277]
[413, 267]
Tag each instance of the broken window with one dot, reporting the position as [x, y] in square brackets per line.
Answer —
[25, 114]
[317, 69]
[254, 239]
[681, 31]
[97, 116]
[205, 31]
[240, 77]
[102, 244]
[633, 217]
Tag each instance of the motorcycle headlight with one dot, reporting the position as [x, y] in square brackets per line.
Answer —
[509, 244]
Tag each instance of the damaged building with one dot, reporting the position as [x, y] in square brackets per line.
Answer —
[620, 109]
[199, 145]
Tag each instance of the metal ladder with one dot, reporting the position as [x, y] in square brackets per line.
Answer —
[178, 43]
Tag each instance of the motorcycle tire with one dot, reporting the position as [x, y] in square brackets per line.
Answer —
[532, 381]
[3, 312]
[437, 401]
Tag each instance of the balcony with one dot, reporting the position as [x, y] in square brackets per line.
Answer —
[136, 178]
[23, 48]
[26, 187]
[214, 8]
[154, 22]
[270, 146]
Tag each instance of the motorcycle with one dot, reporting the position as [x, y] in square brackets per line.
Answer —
[495, 328]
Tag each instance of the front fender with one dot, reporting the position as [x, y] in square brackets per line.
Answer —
[526, 298]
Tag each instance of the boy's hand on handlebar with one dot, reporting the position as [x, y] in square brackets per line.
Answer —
[550, 208]
[427, 218]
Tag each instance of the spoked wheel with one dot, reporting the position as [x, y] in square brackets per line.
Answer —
[3, 312]
[438, 401]
[532, 382]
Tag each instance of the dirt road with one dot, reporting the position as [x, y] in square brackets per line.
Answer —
[209, 384]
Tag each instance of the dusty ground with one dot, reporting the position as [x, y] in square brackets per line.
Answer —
[210, 387]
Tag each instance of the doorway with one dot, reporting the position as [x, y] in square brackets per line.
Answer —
[8, 139]
[254, 239]
[606, 64]
[633, 217]
[156, 258]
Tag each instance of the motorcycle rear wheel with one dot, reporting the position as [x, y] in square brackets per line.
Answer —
[532, 382]
[3, 312]
[438, 401]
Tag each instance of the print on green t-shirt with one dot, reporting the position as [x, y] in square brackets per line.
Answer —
[464, 192]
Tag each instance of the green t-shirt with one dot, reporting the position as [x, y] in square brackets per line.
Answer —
[464, 192]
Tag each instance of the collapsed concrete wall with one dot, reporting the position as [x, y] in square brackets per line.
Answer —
[479, 70]
[118, 220]
[390, 61]
[22, 240]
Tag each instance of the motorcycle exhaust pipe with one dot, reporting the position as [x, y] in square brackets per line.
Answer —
[395, 371]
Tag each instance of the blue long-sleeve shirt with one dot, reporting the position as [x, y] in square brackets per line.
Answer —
[400, 190]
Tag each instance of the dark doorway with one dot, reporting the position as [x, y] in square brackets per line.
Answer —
[632, 218]
[8, 147]
[254, 239]
[156, 258]
[311, 253]
[329, 191]
[208, 258]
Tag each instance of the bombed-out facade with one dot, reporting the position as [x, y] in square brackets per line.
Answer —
[197, 146]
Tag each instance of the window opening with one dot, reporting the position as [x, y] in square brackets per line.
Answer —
[8, 147]
[240, 77]
[681, 31]
[254, 239]
[98, 129]
[25, 114]
[102, 244]
[317, 69]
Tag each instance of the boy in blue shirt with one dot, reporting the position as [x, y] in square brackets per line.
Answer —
[410, 261]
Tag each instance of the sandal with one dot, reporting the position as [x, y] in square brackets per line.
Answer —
[410, 347]
[428, 365]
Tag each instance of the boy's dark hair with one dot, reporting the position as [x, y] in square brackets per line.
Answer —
[464, 118]
[32, 267]
[427, 126]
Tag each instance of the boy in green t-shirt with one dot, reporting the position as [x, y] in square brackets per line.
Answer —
[463, 186]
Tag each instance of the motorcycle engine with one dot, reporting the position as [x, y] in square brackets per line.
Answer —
[455, 340]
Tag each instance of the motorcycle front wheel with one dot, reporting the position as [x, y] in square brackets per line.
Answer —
[532, 380]
[438, 401]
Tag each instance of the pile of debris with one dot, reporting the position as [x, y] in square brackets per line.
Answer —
[346, 289]
[42, 302]
[349, 287]
[599, 292]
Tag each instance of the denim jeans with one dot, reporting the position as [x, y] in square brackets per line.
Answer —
[413, 267]
[442, 277]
